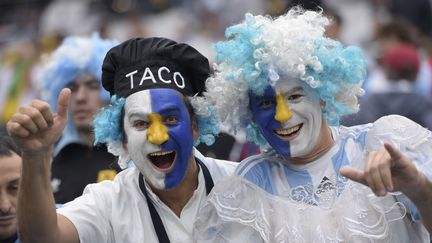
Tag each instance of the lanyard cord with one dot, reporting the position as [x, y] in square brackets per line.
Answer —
[156, 219]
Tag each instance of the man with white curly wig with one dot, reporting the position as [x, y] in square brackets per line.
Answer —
[149, 122]
[287, 85]
[76, 64]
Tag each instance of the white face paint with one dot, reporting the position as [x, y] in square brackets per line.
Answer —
[306, 114]
[136, 111]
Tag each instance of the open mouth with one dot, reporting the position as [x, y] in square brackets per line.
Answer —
[163, 160]
[289, 133]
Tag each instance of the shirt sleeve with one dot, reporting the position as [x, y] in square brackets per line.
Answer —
[90, 213]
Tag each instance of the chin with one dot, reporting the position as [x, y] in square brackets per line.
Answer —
[83, 126]
[155, 182]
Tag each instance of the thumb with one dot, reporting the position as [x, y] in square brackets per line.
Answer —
[63, 103]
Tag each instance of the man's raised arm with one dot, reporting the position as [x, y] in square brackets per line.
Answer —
[35, 129]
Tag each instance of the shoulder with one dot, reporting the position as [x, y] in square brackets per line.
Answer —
[102, 195]
[356, 133]
[123, 181]
[256, 164]
[397, 130]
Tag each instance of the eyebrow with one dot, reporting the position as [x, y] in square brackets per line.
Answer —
[88, 82]
[293, 90]
[138, 112]
[91, 81]
[169, 109]
[14, 181]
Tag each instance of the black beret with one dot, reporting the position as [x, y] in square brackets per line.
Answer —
[145, 63]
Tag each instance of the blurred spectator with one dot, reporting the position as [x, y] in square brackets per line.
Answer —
[76, 64]
[401, 65]
[388, 36]
[10, 173]
[228, 147]
[16, 77]
[416, 12]
[333, 30]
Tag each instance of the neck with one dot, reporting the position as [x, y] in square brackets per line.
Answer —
[10, 239]
[87, 137]
[324, 142]
[177, 197]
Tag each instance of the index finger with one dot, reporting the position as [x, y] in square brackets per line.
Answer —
[395, 154]
[63, 102]
[44, 109]
[353, 174]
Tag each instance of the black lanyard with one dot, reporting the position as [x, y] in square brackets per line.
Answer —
[157, 221]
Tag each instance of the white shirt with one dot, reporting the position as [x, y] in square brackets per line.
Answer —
[271, 200]
[117, 211]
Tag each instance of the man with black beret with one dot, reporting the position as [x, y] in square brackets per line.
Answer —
[151, 126]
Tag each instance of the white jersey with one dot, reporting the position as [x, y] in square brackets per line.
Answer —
[271, 200]
[117, 211]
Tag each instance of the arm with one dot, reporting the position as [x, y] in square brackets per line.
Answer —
[35, 129]
[388, 170]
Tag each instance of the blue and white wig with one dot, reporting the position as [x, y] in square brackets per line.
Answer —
[108, 126]
[260, 50]
[75, 57]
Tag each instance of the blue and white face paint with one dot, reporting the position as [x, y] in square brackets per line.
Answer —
[288, 117]
[159, 135]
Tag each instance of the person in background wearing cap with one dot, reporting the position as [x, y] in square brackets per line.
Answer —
[401, 65]
[76, 64]
[149, 121]
[287, 84]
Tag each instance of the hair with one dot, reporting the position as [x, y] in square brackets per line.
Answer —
[398, 29]
[76, 56]
[260, 50]
[8, 147]
[333, 15]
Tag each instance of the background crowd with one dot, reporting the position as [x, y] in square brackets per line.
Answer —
[31, 29]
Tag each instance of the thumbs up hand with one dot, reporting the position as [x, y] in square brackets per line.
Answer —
[35, 128]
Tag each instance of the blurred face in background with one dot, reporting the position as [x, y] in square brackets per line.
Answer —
[85, 101]
[10, 172]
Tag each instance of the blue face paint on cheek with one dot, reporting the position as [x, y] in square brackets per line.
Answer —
[264, 109]
[169, 104]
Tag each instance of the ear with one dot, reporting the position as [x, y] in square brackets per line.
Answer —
[125, 142]
[322, 103]
[195, 131]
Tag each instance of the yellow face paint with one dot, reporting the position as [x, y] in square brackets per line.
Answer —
[283, 113]
[157, 133]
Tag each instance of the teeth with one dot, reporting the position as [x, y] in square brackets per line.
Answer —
[160, 153]
[288, 131]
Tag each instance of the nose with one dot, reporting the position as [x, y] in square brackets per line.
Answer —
[5, 203]
[81, 93]
[283, 112]
[157, 133]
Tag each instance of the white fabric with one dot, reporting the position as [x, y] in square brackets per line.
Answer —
[273, 201]
[116, 211]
